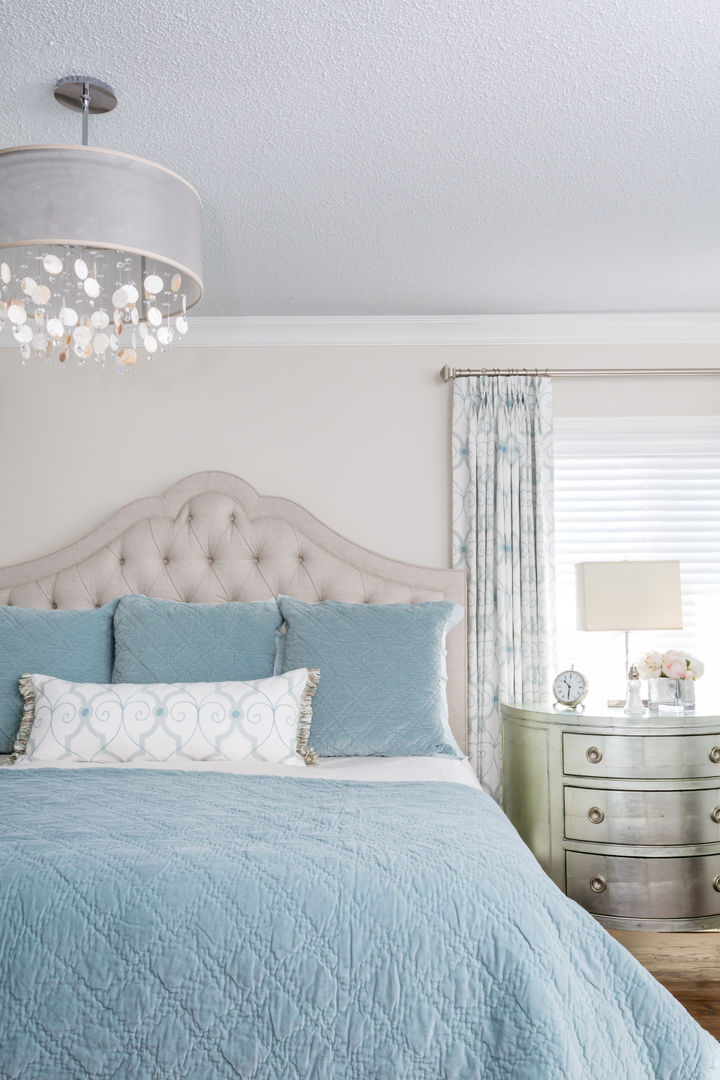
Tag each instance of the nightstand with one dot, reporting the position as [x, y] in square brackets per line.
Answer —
[622, 813]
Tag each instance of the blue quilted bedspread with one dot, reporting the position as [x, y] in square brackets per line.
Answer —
[201, 926]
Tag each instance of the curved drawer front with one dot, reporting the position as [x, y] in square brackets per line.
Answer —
[643, 817]
[684, 888]
[641, 756]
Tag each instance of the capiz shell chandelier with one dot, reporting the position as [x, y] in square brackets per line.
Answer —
[100, 251]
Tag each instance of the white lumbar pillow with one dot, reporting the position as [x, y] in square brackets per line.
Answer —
[265, 719]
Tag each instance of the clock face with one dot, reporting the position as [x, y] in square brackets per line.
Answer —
[569, 687]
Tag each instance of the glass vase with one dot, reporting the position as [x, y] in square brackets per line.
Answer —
[671, 696]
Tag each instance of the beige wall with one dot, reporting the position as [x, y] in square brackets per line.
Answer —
[360, 436]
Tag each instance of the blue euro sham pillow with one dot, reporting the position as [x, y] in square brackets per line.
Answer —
[382, 690]
[167, 641]
[73, 645]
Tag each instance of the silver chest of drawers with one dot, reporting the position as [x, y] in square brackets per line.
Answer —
[623, 814]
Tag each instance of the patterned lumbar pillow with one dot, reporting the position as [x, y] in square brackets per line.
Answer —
[266, 720]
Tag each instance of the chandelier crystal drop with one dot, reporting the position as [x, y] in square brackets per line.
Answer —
[100, 252]
[76, 303]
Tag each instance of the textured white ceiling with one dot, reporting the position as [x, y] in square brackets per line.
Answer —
[408, 156]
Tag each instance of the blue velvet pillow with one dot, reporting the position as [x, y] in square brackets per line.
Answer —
[73, 645]
[383, 677]
[168, 641]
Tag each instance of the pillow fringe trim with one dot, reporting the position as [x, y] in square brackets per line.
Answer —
[311, 685]
[27, 691]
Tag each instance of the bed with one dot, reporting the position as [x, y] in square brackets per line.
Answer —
[371, 917]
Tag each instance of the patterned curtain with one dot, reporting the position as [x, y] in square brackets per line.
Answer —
[503, 539]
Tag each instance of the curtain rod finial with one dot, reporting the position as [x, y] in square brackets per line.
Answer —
[448, 373]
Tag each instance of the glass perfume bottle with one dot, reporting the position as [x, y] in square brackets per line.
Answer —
[633, 702]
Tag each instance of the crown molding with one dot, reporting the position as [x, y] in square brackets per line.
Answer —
[620, 328]
[662, 328]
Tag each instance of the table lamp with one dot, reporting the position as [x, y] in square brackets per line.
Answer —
[628, 596]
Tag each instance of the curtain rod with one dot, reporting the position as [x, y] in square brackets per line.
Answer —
[575, 373]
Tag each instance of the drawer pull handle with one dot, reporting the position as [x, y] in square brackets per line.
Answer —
[716, 884]
[714, 754]
[597, 815]
[599, 884]
[594, 754]
[716, 814]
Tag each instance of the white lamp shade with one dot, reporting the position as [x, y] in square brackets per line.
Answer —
[628, 595]
[96, 198]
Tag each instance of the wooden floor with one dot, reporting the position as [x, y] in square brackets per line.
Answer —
[688, 965]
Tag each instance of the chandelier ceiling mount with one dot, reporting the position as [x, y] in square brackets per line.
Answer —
[87, 95]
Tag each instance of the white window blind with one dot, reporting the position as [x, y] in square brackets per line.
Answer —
[639, 488]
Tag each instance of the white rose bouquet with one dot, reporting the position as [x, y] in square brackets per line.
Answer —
[673, 664]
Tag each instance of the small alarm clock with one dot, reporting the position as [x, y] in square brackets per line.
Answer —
[570, 688]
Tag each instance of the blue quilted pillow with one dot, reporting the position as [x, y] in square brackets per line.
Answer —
[168, 641]
[74, 645]
[383, 678]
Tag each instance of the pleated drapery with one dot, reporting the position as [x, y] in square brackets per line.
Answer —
[503, 539]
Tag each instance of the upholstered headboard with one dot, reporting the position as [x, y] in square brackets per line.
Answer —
[212, 538]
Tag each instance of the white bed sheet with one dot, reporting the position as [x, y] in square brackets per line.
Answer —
[454, 770]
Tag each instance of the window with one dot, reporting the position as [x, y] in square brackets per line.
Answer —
[639, 488]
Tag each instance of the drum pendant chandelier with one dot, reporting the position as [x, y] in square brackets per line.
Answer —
[100, 251]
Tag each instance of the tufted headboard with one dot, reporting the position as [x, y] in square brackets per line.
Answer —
[213, 538]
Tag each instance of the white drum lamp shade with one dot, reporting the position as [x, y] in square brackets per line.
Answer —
[628, 595]
[81, 196]
[100, 253]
